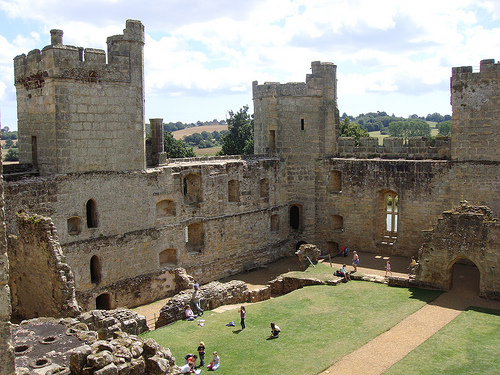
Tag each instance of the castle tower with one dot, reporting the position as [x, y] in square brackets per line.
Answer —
[298, 118]
[157, 145]
[475, 98]
[77, 113]
[300, 123]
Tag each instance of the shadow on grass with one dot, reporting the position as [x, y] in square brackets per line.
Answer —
[425, 295]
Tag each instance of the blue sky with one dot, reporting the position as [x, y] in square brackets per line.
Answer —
[202, 56]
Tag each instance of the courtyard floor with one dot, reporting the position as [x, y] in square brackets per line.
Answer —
[381, 353]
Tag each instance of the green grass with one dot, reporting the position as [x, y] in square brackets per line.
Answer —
[321, 271]
[470, 344]
[319, 325]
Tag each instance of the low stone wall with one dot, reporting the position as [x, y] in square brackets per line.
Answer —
[107, 322]
[212, 295]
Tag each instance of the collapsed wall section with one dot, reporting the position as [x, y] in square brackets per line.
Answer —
[42, 284]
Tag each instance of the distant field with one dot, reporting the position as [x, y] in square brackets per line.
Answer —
[178, 134]
[206, 151]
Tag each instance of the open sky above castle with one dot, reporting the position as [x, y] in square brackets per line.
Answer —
[202, 56]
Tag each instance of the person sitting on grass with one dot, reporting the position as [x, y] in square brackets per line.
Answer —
[189, 313]
[344, 273]
[275, 331]
[191, 361]
[214, 363]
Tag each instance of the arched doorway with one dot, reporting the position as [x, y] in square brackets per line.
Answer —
[465, 277]
[295, 217]
[103, 302]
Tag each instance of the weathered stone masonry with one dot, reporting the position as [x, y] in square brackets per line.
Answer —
[124, 228]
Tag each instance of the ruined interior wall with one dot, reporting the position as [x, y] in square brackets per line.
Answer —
[41, 283]
[465, 232]
[425, 189]
[130, 235]
[6, 349]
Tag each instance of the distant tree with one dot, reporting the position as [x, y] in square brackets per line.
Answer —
[12, 155]
[409, 128]
[351, 129]
[5, 129]
[444, 128]
[206, 135]
[9, 143]
[176, 148]
[447, 118]
[239, 139]
[434, 117]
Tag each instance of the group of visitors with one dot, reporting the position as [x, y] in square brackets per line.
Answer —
[190, 361]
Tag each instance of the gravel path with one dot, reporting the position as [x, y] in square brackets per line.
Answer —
[385, 350]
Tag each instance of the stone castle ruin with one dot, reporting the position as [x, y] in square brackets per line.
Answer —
[126, 217]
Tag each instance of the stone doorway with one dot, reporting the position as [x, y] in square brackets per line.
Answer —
[103, 302]
[465, 277]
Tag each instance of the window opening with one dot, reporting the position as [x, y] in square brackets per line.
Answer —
[74, 225]
[295, 217]
[192, 188]
[168, 257]
[388, 221]
[165, 208]
[272, 141]
[275, 223]
[34, 151]
[335, 181]
[264, 188]
[233, 188]
[337, 222]
[302, 122]
[195, 237]
[91, 214]
[95, 270]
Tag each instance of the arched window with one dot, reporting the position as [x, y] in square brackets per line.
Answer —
[95, 270]
[91, 214]
[295, 217]
[233, 191]
[168, 257]
[165, 208]
[103, 302]
[388, 212]
[74, 225]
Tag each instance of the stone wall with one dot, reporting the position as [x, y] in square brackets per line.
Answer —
[42, 284]
[64, 95]
[6, 349]
[466, 232]
[475, 97]
[140, 216]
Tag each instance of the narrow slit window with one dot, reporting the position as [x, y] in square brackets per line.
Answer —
[302, 124]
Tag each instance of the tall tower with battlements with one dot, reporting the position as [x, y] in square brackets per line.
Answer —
[475, 98]
[78, 112]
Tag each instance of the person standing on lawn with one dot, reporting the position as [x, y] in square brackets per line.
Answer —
[242, 312]
[355, 260]
[201, 352]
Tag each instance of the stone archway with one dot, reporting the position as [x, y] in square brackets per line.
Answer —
[464, 277]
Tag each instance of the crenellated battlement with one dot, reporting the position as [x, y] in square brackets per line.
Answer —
[394, 148]
[84, 64]
[322, 77]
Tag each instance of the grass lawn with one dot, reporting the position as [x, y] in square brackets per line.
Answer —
[321, 271]
[319, 325]
[470, 344]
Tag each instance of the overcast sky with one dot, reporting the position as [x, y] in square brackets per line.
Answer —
[201, 56]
